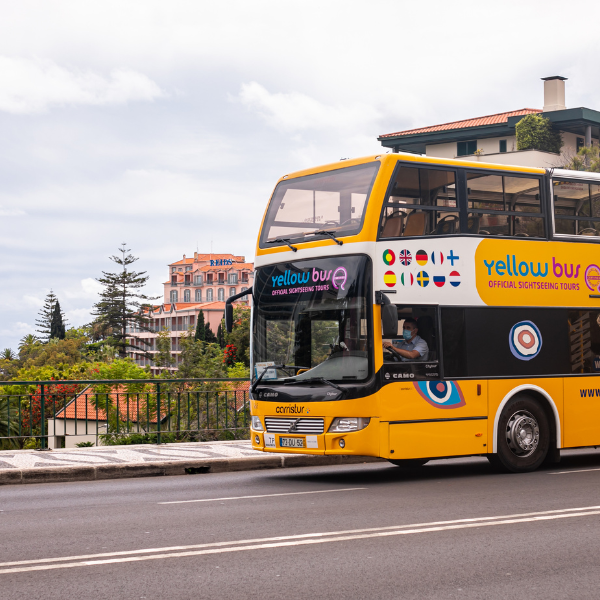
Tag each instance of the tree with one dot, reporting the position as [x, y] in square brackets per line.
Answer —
[209, 336]
[220, 336]
[47, 316]
[119, 307]
[7, 354]
[240, 336]
[200, 335]
[57, 326]
[163, 357]
[587, 159]
[536, 133]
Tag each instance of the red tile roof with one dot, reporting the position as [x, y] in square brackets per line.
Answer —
[477, 122]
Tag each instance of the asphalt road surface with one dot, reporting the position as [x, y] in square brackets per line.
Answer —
[453, 529]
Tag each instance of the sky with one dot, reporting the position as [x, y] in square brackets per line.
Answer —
[165, 125]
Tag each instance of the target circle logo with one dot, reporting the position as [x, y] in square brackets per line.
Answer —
[441, 394]
[525, 340]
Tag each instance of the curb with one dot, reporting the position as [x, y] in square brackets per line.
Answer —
[168, 468]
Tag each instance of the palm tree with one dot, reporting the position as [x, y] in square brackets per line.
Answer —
[9, 424]
[28, 340]
[7, 354]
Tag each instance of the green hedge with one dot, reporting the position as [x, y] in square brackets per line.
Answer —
[536, 133]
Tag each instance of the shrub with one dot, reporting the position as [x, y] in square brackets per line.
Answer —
[536, 133]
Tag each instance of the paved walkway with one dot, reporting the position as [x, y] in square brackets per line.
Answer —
[146, 460]
[142, 453]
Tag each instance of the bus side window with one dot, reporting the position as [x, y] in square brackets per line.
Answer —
[576, 208]
[420, 202]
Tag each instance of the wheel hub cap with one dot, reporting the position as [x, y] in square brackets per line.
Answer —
[522, 434]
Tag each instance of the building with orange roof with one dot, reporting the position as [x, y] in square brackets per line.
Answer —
[492, 138]
[195, 283]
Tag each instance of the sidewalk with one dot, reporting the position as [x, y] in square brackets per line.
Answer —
[146, 460]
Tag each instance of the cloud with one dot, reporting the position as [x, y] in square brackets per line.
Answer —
[293, 112]
[17, 330]
[11, 212]
[34, 85]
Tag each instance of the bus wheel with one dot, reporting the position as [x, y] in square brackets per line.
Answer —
[409, 463]
[523, 436]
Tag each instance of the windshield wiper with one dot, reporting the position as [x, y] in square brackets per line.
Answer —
[259, 378]
[285, 241]
[317, 380]
[328, 234]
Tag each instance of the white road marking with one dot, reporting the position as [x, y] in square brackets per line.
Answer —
[291, 540]
[262, 496]
[567, 472]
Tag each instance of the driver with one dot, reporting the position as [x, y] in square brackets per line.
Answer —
[411, 347]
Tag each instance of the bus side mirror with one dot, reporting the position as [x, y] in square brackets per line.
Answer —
[229, 317]
[389, 315]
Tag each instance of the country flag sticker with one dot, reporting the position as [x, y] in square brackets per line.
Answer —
[423, 278]
[422, 257]
[404, 258]
[437, 258]
[388, 257]
[439, 280]
[454, 279]
[389, 278]
[407, 279]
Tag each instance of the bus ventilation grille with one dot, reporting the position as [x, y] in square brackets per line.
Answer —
[291, 425]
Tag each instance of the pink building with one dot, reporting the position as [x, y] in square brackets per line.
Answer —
[203, 282]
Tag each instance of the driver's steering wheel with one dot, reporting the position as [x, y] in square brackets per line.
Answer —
[392, 355]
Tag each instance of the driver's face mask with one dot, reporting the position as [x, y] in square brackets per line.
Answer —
[407, 334]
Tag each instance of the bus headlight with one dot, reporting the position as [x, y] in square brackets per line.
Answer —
[257, 424]
[344, 424]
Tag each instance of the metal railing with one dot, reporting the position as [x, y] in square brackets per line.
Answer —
[65, 413]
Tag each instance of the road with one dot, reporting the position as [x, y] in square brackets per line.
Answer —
[453, 529]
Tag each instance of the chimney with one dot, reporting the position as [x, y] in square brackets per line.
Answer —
[554, 93]
[196, 256]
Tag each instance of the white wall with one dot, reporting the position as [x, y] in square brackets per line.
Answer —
[67, 430]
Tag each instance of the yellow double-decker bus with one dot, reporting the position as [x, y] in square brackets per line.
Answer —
[414, 308]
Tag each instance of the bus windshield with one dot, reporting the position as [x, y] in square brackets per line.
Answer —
[313, 315]
[334, 201]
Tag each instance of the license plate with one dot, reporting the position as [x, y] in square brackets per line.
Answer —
[285, 442]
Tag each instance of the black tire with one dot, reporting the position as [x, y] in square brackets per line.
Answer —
[523, 436]
[409, 463]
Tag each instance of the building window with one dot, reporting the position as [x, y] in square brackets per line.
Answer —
[220, 294]
[502, 145]
[198, 279]
[209, 295]
[244, 277]
[174, 279]
[245, 298]
[188, 268]
[198, 295]
[231, 291]
[186, 296]
[173, 295]
[173, 269]
[466, 148]
[232, 278]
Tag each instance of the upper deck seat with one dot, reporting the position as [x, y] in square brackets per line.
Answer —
[393, 226]
[415, 224]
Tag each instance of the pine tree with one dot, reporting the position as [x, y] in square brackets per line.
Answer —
[57, 326]
[200, 333]
[119, 307]
[220, 336]
[46, 314]
[209, 336]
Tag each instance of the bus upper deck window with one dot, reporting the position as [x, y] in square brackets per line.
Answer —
[421, 201]
[504, 206]
[576, 208]
[335, 201]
